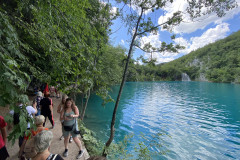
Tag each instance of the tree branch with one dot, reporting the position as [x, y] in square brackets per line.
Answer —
[173, 49]
[155, 27]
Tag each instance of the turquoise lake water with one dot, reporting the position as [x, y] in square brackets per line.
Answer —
[201, 119]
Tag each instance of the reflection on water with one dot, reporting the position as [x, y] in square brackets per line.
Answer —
[202, 119]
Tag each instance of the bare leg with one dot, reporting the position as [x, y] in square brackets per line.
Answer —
[78, 142]
[66, 140]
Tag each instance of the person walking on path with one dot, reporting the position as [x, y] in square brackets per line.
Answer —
[46, 89]
[59, 109]
[31, 111]
[3, 139]
[39, 120]
[69, 114]
[42, 143]
[38, 99]
[57, 91]
[52, 91]
[47, 108]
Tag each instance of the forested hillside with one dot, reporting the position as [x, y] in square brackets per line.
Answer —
[216, 62]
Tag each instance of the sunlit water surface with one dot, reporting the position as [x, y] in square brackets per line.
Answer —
[201, 119]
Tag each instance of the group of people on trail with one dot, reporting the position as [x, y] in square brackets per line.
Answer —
[52, 90]
[36, 143]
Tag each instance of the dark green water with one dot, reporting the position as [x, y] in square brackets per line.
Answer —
[202, 119]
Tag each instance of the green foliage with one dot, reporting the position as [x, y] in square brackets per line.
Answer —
[219, 61]
[142, 150]
[94, 147]
[52, 41]
[119, 150]
[13, 80]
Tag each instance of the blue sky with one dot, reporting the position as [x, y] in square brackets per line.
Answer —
[192, 35]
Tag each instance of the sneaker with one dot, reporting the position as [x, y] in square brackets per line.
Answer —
[61, 138]
[80, 154]
[70, 139]
[52, 126]
[65, 153]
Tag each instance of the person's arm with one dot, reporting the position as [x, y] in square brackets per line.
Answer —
[3, 129]
[31, 110]
[59, 108]
[76, 113]
[51, 108]
[9, 127]
[51, 105]
[35, 108]
[4, 134]
[22, 148]
[62, 115]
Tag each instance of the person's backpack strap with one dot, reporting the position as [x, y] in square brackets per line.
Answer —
[54, 157]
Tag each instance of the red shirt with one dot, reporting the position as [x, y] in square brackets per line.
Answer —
[2, 125]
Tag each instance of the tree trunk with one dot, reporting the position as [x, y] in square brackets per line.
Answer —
[121, 87]
[74, 97]
[85, 105]
[82, 101]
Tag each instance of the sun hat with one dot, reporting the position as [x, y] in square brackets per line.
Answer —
[39, 93]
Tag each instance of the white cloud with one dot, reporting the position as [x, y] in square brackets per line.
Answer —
[155, 42]
[138, 9]
[164, 60]
[113, 10]
[153, 39]
[138, 62]
[161, 58]
[209, 36]
[122, 42]
[188, 26]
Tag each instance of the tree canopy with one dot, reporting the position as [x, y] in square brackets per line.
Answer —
[58, 42]
[67, 43]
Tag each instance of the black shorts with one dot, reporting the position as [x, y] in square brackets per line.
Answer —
[4, 153]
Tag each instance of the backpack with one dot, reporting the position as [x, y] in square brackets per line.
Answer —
[29, 148]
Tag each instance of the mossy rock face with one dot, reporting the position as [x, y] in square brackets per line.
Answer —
[85, 131]
[93, 146]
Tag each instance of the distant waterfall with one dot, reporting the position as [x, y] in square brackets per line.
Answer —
[185, 77]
